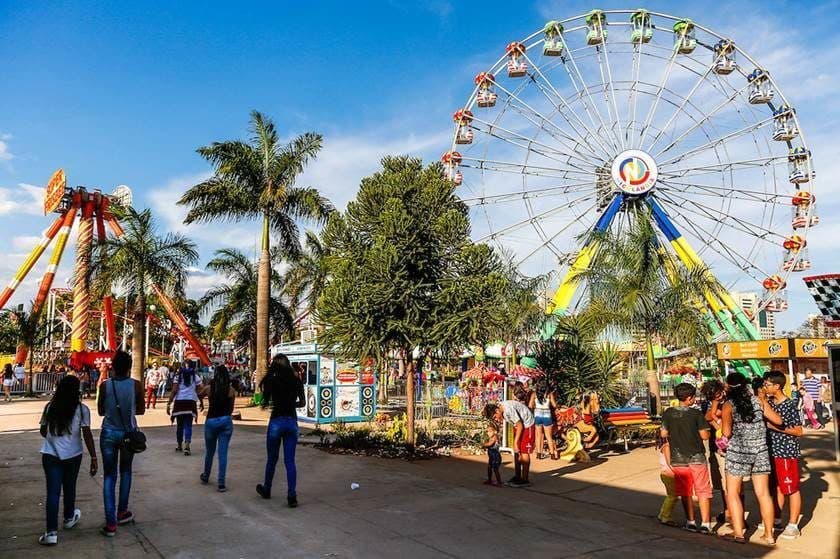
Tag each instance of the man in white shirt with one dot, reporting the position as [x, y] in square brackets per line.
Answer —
[152, 382]
[163, 374]
[20, 373]
[522, 418]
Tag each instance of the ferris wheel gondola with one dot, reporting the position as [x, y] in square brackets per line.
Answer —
[631, 114]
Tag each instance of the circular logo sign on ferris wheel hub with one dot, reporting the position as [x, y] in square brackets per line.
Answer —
[634, 172]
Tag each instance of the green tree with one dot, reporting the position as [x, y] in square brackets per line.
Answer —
[394, 259]
[307, 274]
[135, 261]
[235, 302]
[9, 331]
[256, 180]
[520, 308]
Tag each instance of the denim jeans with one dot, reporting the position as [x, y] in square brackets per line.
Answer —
[114, 455]
[281, 430]
[217, 429]
[161, 390]
[60, 474]
[183, 431]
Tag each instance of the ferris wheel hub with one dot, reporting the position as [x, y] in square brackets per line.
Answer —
[634, 172]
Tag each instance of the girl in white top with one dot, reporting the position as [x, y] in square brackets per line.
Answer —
[184, 411]
[543, 405]
[64, 424]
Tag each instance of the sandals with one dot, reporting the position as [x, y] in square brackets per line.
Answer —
[768, 542]
[733, 538]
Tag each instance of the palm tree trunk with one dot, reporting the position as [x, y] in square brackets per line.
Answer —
[652, 378]
[138, 338]
[263, 297]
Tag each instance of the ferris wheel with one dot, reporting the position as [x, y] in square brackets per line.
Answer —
[582, 123]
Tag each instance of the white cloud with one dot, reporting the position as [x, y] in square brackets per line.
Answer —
[25, 242]
[5, 154]
[23, 199]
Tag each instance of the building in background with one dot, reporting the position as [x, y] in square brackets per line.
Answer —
[815, 327]
[765, 322]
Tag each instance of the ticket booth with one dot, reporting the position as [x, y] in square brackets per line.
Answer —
[334, 390]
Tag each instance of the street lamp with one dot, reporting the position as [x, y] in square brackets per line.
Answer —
[152, 309]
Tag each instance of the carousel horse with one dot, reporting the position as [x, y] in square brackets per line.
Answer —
[571, 447]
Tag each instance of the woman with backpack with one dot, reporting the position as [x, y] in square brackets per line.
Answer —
[218, 427]
[65, 423]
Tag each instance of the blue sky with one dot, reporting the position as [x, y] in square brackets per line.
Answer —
[123, 93]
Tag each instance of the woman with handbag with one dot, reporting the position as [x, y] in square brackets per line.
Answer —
[184, 412]
[64, 424]
[120, 399]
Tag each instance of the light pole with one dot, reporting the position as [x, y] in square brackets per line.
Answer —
[152, 309]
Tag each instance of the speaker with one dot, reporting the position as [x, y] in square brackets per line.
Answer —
[326, 402]
[367, 401]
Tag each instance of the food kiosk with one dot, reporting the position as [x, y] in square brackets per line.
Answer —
[333, 390]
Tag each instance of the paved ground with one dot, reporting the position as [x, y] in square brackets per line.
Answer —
[433, 508]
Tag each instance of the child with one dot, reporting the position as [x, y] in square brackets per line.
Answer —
[714, 393]
[783, 443]
[685, 428]
[494, 457]
[808, 406]
[666, 474]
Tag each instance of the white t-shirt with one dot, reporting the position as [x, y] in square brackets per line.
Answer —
[68, 445]
[514, 410]
[20, 372]
[187, 392]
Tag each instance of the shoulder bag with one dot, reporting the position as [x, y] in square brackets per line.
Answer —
[133, 441]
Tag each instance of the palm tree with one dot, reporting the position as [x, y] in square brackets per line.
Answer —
[307, 275]
[235, 301]
[256, 180]
[135, 261]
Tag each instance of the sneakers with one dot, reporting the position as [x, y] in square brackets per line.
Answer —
[292, 502]
[777, 524]
[179, 449]
[222, 489]
[519, 483]
[108, 530]
[125, 517]
[48, 538]
[791, 532]
[71, 522]
[187, 449]
[690, 526]
[704, 529]
[204, 478]
[263, 492]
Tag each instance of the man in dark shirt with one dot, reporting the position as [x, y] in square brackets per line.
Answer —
[783, 444]
[283, 389]
[686, 429]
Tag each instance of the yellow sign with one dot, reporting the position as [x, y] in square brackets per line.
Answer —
[759, 349]
[810, 347]
[55, 191]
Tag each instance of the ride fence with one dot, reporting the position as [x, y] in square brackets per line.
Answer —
[42, 383]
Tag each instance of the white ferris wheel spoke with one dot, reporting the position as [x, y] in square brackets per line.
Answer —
[763, 161]
[617, 117]
[522, 168]
[550, 240]
[531, 219]
[652, 110]
[718, 141]
[517, 195]
[633, 95]
[723, 191]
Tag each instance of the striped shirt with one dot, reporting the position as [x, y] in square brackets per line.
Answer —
[812, 387]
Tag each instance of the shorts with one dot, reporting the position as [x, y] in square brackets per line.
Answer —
[786, 475]
[526, 441]
[494, 458]
[745, 464]
[8, 382]
[693, 479]
[544, 420]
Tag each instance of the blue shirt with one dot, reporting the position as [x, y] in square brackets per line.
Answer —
[125, 392]
[812, 387]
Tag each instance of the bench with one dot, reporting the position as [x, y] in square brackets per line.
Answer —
[626, 424]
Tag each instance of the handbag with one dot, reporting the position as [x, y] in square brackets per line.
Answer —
[134, 441]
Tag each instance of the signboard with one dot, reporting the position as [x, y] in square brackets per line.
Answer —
[758, 349]
[54, 191]
[810, 347]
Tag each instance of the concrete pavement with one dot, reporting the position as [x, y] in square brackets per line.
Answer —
[430, 508]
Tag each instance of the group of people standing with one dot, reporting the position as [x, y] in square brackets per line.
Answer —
[66, 426]
[752, 431]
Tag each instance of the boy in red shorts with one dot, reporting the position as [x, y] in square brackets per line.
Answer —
[783, 444]
[686, 429]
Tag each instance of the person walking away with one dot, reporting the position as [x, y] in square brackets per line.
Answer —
[811, 384]
[520, 416]
[825, 398]
[809, 409]
[666, 475]
[20, 374]
[8, 381]
[184, 411]
[163, 379]
[119, 400]
[543, 404]
[152, 382]
[714, 393]
[494, 455]
[283, 389]
[65, 423]
[218, 428]
[747, 455]
[685, 428]
[783, 444]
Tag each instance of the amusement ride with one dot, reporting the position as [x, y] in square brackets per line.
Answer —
[88, 208]
[614, 115]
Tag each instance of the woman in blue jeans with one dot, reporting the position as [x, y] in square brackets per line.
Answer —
[283, 389]
[120, 398]
[64, 424]
[218, 428]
